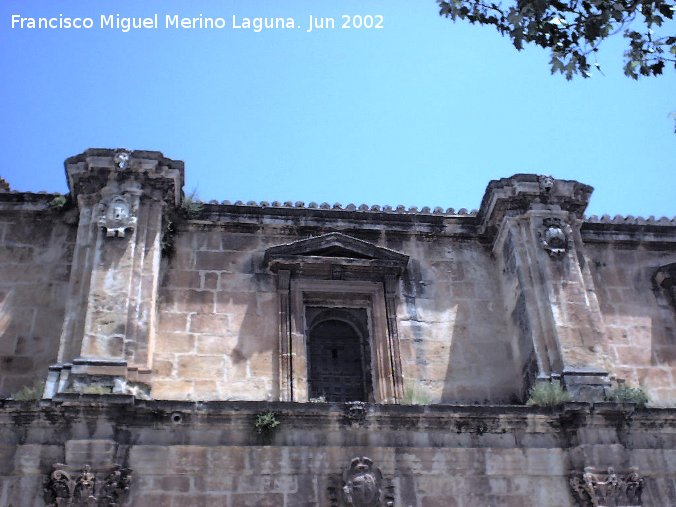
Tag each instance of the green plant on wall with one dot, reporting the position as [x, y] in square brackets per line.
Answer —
[30, 393]
[627, 394]
[192, 206]
[96, 389]
[547, 394]
[266, 422]
[58, 202]
[415, 395]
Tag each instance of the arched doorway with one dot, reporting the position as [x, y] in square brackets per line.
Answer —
[338, 359]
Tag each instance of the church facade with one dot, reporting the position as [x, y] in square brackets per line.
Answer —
[292, 354]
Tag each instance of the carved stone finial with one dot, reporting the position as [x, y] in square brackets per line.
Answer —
[610, 489]
[554, 237]
[117, 215]
[121, 159]
[546, 183]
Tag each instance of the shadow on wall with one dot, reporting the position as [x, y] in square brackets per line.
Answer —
[456, 323]
[255, 314]
[640, 321]
[34, 273]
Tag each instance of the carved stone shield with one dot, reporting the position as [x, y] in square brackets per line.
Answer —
[116, 216]
[553, 236]
[363, 484]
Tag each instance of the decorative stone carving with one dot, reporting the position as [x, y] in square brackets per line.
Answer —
[553, 236]
[362, 485]
[58, 488]
[546, 182]
[115, 486]
[356, 412]
[121, 159]
[607, 489]
[84, 487]
[65, 487]
[117, 215]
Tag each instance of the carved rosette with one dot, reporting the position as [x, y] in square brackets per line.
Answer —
[594, 488]
[362, 485]
[68, 487]
[553, 236]
[116, 215]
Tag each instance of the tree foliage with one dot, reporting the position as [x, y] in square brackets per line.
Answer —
[573, 30]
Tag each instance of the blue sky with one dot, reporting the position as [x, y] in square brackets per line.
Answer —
[422, 112]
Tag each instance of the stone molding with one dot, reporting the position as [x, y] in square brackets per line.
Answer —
[83, 486]
[95, 169]
[354, 256]
[384, 344]
[607, 488]
[523, 192]
[336, 270]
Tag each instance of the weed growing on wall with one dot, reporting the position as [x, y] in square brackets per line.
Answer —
[266, 422]
[627, 394]
[547, 394]
[30, 393]
[415, 395]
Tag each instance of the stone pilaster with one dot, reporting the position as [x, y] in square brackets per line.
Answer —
[533, 224]
[109, 329]
[285, 360]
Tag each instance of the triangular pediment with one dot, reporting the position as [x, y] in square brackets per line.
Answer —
[335, 245]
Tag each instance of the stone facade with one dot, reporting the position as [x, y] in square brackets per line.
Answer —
[176, 340]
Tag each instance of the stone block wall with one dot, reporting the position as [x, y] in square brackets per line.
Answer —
[451, 325]
[218, 329]
[169, 332]
[36, 245]
[218, 313]
[640, 323]
[210, 454]
[483, 304]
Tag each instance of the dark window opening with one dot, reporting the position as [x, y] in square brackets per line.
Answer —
[338, 369]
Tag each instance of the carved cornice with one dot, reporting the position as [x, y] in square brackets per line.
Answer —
[522, 192]
[335, 255]
[155, 175]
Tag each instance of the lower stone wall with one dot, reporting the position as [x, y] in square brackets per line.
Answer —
[221, 454]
